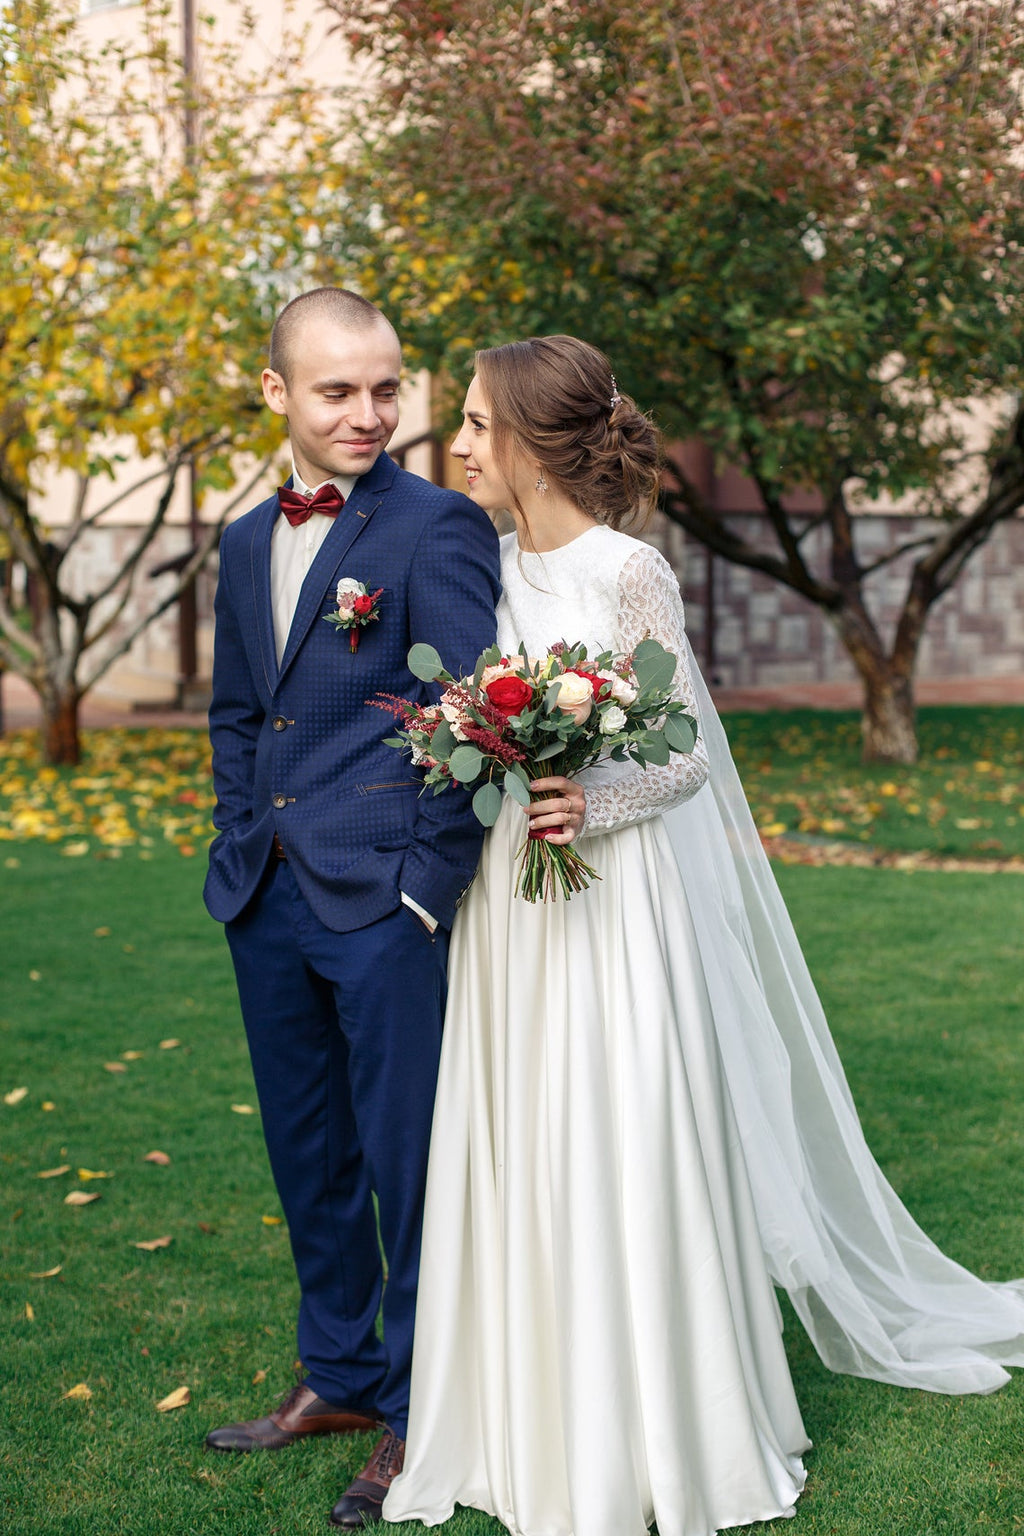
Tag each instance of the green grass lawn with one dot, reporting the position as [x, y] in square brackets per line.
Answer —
[108, 956]
[964, 797]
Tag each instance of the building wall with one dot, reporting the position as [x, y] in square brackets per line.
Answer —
[767, 636]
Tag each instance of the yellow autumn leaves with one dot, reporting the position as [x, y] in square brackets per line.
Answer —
[133, 790]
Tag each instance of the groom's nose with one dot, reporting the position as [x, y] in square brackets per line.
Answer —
[363, 409]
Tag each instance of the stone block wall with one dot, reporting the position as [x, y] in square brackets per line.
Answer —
[767, 636]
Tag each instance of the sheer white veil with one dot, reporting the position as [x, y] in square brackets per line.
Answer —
[876, 1295]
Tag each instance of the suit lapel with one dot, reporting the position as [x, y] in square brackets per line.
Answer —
[367, 494]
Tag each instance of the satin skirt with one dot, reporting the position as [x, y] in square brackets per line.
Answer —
[598, 1344]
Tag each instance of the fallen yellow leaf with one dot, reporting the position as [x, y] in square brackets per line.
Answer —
[101, 933]
[773, 829]
[47, 1104]
[179, 1398]
[154, 1243]
[132, 1055]
[169, 1045]
[15, 1096]
[243, 1109]
[114, 1066]
[80, 1392]
[157, 1157]
[79, 1197]
[260, 1376]
[45, 1274]
[92, 1173]
[35, 975]
[54, 1173]
[30, 1312]
[271, 1221]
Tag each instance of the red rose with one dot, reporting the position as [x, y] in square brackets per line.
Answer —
[363, 605]
[510, 695]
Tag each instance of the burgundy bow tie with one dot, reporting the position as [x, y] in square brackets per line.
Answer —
[298, 508]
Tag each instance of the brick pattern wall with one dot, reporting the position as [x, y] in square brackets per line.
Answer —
[765, 635]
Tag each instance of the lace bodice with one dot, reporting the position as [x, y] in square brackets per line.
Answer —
[611, 591]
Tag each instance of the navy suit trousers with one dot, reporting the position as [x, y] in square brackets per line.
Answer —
[344, 1033]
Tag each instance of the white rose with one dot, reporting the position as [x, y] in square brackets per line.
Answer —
[348, 589]
[501, 669]
[574, 695]
[456, 717]
[612, 720]
[621, 691]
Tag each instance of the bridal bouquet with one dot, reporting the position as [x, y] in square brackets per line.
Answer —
[520, 718]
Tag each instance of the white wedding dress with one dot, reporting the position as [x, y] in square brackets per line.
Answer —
[641, 1124]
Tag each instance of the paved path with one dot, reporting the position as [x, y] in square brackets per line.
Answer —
[20, 707]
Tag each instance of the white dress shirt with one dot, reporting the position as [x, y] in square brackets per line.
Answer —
[292, 552]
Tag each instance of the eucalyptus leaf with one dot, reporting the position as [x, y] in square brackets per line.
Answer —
[551, 750]
[465, 763]
[656, 748]
[442, 741]
[487, 804]
[655, 668]
[424, 662]
[681, 733]
[517, 787]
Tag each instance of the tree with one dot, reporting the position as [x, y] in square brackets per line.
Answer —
[154, 216]
[795, 225]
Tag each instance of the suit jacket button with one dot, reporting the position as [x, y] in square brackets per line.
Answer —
[280, 723]
[279, 802]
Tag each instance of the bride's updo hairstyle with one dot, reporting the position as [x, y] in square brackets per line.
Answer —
[554, 399]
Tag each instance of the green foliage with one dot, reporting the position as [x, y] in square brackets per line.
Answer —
[153, 222]
[794, 225]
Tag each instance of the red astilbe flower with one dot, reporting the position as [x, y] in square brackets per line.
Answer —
[489, 741]
[402, 709]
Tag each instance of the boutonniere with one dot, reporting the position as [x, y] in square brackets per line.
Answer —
[357, 607]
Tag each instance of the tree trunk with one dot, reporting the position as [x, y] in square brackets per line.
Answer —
[888, 721]
[61, 744]
[888, 724]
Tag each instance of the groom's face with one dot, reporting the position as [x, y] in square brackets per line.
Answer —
[340, 396]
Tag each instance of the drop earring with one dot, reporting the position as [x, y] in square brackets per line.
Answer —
[542, 484]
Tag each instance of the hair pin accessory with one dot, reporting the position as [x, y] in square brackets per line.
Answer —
[615, 398]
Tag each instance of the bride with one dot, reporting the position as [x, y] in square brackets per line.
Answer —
[641, 1122]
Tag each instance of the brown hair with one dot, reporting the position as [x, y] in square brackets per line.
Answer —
[340, 305]
[554, 398]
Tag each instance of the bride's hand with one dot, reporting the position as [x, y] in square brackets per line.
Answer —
[558, 816]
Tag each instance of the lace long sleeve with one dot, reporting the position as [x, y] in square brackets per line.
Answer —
[619, 794]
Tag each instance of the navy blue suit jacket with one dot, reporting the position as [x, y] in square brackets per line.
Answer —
[297, 750]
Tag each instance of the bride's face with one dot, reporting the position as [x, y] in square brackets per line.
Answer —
[485, 482]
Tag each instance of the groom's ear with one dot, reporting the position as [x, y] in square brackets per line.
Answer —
[275, 391]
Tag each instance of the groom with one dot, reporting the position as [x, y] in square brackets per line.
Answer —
[336, 880]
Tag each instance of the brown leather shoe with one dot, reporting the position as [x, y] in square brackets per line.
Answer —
[301, 1413]
[361, 1502]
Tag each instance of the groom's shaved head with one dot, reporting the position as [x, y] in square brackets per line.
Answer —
[337, 306]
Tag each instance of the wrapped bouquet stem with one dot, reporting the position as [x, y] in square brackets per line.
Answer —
[520, 718]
